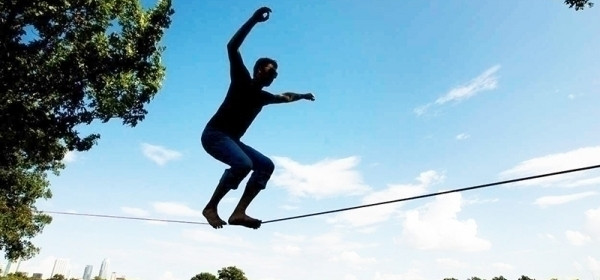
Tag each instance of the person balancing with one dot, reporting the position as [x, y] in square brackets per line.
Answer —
[221, 137]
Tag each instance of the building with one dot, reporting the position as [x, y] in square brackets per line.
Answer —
[11, 267]
[36, 276]
[87, 273]
[62, 267]
[103, 274]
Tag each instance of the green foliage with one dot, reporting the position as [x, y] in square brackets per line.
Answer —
[523, 277]
[14, 276]
[204, 276]
[475, 278]
[66, 63]
[499, 278]
[57, 277]
[579, 4]
[231, 273]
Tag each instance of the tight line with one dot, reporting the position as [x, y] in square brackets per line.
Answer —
[435, 194]
[344, 209]
[124, 217]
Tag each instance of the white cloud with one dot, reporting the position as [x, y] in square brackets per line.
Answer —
[546, 201]
[288, 207]
[484, 82]
[577, 238]
[447, 263]
[438, 228]
[327, 178]
[352, 258]
[581, 157]
[592, 222]
[350, 277]
[502, 266]
[168, 276]
[412, 274]
[70, 156]
[289, 250]
[175, 209]
[214, 238]
[463, 136]
[381, 213]
[134, 211]
[593, 265]
[585, 182]
[158, 154]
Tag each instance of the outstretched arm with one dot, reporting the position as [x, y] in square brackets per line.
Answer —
[291, 97]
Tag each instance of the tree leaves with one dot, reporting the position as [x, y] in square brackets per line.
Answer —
[579, 4]
[66, 64]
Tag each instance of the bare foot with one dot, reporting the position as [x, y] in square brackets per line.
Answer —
[244, 220]
[213, 218]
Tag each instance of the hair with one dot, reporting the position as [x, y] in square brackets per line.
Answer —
[262, 62]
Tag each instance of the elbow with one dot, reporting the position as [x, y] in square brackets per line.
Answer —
[231, 47]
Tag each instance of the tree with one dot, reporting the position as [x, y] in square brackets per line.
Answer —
[66, 64]
[450, 279]
[231, 273]
[474, 278]
[499, 278]
[15, 276]
[523, 277]
[204, 276]
[579, 4]
[57, 277]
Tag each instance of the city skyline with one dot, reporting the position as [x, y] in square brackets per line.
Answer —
[63, 267]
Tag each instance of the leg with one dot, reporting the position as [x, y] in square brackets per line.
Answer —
[226, 150]
[262, 169]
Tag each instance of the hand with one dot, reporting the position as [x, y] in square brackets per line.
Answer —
[262, 14]
[309, 96]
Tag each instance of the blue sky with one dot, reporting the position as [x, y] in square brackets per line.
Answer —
[412, 97]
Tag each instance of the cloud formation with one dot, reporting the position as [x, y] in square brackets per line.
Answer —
[546, 201]
[437, 227]
[326, 178]
[484, 82]
[577, 158]
[158, 154]
[175, 209]
[381, 213]
[134, 211]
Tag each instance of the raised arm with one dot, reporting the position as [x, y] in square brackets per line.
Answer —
[260, 15]
[290, 97]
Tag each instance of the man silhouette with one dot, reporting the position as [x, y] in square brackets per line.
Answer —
[221, 137]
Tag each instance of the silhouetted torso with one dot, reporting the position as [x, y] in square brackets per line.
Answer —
[243, 102]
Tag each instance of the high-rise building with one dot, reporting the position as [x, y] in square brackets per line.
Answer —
[62, 267]
[36, 276]
[87, 273]
[103, 274]
[12, 267]
[113, 276]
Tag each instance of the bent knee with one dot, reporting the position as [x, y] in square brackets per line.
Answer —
[268, 167]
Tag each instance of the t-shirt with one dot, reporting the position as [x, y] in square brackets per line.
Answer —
[243, 102]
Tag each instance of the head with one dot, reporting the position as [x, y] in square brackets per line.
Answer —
[265, 71]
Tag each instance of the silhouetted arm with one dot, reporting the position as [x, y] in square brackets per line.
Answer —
[233, 47]
[234, 44]
[290, 97]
